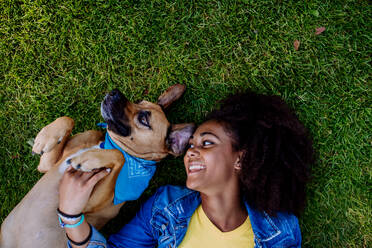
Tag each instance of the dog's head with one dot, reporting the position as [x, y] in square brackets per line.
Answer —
[142, 129]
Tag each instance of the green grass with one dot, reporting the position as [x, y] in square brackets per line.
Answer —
[60, 58]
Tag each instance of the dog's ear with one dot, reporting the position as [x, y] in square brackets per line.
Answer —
[178, 138]
[170, 95]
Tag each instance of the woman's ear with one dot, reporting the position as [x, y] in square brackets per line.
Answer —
[238, 161]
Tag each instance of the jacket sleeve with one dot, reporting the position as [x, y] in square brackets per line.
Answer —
[138, 232]
[288, 232]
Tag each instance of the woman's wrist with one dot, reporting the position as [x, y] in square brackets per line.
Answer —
[80, 234]
[69, 211]
[71, 223]
[81, 242]
[69, 218]
[78, 231]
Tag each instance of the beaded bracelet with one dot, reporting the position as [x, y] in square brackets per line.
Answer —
[64, 225]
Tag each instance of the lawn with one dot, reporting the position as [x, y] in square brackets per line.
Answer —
[61, 57]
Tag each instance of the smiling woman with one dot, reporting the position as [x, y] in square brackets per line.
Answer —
[247, 166]
[209, 160]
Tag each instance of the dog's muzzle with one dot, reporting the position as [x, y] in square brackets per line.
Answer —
[113, 111]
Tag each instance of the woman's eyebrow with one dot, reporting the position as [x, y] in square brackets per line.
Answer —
[205, 133]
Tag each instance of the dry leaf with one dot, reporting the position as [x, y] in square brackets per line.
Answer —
[296, 44]
[320, 30]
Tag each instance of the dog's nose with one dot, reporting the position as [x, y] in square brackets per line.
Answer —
[116, 95]
[114, 92]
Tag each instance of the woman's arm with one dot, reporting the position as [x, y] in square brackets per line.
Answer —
[74, 192]
[75, 189]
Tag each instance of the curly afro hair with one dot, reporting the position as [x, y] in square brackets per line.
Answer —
[277, 149]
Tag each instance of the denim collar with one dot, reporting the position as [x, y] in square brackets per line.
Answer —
[183, 207]
[135, 175]
[262, 224]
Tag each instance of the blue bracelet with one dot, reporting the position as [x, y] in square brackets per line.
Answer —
[64, 225]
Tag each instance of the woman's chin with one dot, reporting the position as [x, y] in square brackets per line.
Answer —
[191, 184]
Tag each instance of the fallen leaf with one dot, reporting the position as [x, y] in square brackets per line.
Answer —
[296, 44]
[315, 13]
[320, 30]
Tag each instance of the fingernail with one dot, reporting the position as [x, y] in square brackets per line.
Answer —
[42, 152]
[108, 170]
[58, 142]
[78, 166]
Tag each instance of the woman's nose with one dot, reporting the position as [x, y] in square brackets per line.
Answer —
[192, 152]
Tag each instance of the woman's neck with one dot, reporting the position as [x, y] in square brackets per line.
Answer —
[226, 211]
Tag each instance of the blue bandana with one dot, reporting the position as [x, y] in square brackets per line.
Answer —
[135, 175]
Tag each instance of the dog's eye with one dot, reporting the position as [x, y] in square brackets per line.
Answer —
[143, 118]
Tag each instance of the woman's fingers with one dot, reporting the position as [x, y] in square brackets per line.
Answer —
[70, 169]
[76, 187]
[85, 176]
[77, 173]
[98, 176]
[73, 172]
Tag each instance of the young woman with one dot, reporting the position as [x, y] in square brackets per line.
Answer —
[247, 166]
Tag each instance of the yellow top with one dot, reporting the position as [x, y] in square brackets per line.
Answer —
[204, 234]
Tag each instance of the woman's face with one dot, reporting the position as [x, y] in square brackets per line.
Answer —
[211, 164]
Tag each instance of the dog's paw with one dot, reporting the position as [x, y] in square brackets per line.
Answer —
[52, 135]
[95, 159]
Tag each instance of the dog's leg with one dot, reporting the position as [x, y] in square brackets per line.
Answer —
[82, 140]
[97, 159]
[79, 144]
[50, 141]
[103, 193]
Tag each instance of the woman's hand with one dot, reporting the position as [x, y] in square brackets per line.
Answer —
[75, 189]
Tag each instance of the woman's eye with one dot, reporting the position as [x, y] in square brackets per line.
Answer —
[206, 143]
[191, 146]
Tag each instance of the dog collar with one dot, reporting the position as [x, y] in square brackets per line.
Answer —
[135, 175]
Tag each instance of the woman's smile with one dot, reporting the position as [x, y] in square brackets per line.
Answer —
[194, 167]
[210, 159]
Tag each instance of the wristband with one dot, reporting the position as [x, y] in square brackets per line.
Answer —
[82, 242]
[69, 219]
[64, 225]
[68, 216]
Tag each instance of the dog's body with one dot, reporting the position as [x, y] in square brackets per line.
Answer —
[141, 130]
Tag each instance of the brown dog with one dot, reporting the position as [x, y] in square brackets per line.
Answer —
[141, 130]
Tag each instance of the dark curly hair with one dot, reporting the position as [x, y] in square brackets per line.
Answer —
[278, 150]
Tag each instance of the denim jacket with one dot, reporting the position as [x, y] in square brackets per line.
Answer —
[163, 220]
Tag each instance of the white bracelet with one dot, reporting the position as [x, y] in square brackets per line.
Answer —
[69, 218]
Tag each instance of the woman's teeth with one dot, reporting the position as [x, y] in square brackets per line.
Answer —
[196, 167]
